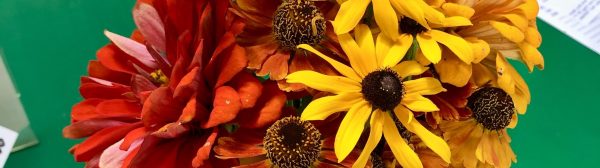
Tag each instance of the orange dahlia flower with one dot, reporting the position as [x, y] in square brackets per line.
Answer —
[274, 30]
[157, 99]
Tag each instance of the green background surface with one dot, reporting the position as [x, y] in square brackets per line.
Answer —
[47, 44]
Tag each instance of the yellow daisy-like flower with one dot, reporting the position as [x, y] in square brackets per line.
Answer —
[407, 29]
[501, 29]
[352, 11]
[482, 141]
[376, 89]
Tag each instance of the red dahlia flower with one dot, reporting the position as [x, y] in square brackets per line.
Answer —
[157, 100]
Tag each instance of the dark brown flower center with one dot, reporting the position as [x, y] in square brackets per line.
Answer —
[292, 143]
[410, 26]
[492, 107]
[298, 22]
[383, 89]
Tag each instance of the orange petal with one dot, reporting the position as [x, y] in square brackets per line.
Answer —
[276, 66]
[204, 151]
[226, 106]
[248, 87]
[267, 109]
[228, 147]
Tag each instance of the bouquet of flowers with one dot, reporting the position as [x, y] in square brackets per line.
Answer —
[309, 83]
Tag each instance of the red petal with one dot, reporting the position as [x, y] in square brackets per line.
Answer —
[183, 60]
[112, 58]
[276, 66]
[88, 127]
[135, 49]
[248, 87]
[160, 109]
[171, 130]
[157, 152]
[267, 109]
[96, 90]
[101, 140]
[226, 106]
[204, 151]
[226, 61]
[132, 136]
[97, 70]
[119, 108]
[127, 160]
[188, 84]
[193, 110]
[141, 84]
[228, 147]
[150, 25]
[85, 109]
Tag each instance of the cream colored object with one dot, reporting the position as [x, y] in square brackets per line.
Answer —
[579, 19]
[12, 114]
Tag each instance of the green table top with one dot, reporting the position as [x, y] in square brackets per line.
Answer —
[47, 44]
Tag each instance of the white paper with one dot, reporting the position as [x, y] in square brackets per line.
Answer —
[579, 19]
[8, 137]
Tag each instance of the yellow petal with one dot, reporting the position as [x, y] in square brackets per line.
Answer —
[513, 121]
[402, 152]
[481, 74]
[386, 18]
[423, 86]
[350, 129]
[530, 9]
[382, 47]
[409, 68]
[321, 108]
[364, 38]
[360, 61]
[432, 15]
[410, 116]
[434, 142]
[454, 9]
[411, 9]
[326, 83]
[533, 37]
[505, 80]
[453, 71]
[509, 32]
[341, 68]
[531, 56]
[520, 103]
[397, 51]
[419, 103]
[429, 47]
[374, 138]
[456, 21]
[457, 45]
[349, 15]
[481, 49]
[517, 20]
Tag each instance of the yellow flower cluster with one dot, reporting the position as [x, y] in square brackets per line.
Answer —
[431, 68]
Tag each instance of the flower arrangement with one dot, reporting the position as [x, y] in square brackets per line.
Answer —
[309, 83]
